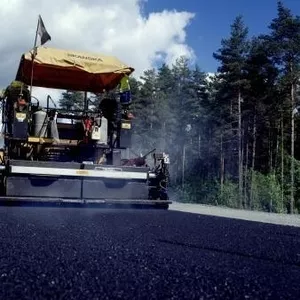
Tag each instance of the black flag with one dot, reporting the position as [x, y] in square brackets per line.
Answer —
[42, 32]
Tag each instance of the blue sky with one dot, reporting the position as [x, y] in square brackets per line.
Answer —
[213, 19]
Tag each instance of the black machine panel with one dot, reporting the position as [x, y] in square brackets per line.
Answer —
[125, 134]
[20, 126]
[114, 189]
[75, 188]
[43, 187]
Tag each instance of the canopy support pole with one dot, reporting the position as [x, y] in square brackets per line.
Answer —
[33, 57]
[86, 102]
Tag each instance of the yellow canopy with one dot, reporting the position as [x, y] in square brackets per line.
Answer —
[71, 70]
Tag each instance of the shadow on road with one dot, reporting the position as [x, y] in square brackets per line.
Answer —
[79, 205]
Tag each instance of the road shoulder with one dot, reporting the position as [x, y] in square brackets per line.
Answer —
[264, 217]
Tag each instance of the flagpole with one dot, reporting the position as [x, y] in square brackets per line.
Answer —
[33, 56]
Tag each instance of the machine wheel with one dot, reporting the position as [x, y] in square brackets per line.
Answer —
[2, 185]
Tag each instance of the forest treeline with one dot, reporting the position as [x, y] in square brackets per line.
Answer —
[233, 138]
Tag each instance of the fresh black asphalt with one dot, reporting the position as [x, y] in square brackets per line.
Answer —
[84, 253]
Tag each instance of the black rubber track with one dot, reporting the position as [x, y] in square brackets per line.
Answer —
[85, 253]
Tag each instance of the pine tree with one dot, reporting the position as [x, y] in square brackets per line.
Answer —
[233, 55]
[145, 133]
[165, 107]
[261, 110]
[285, 41]
[183, 105]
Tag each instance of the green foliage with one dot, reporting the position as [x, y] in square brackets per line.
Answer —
[228, 195]
[267, 193]
[195, 191]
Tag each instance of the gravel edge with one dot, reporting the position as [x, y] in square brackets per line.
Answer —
[263, 217]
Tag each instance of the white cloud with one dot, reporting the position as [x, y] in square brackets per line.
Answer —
[116, 27]
[210, 76]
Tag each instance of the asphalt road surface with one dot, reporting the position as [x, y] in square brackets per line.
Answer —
[72, 253]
